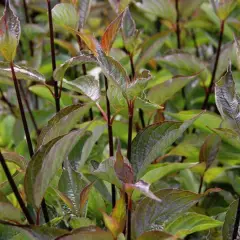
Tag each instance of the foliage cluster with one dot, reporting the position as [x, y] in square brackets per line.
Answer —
[119, 120]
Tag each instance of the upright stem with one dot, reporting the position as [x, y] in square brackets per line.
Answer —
[132, 65]
[129, 149]
[237, 221]
[201, 184]
[110, 139]
[178, 30]
[195, 43]
[28, 108]
[141, 115]
[26, 130]
[130, 128]
[57, 98]
[209, 90]
[15, 190]
[24, 120]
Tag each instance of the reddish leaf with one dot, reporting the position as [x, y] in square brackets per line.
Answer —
[209, 149]
[111, 33]
[84, 195]
[123, 170]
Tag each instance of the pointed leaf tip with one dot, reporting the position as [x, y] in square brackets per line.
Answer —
[10, 31]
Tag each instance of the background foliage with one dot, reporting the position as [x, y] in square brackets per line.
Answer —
[133, 119]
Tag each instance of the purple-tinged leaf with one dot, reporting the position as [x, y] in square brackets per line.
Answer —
[228, 101]
[87, 233]
[209, 150]
[85, 6]
[10, 31]
[111, 33]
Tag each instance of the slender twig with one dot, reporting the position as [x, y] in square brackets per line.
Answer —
[10, 105]
[84, 70]
[26, 11]
[178, 30]
[200, 185]
[215, 65]
[237, 221]
[57, 99]
[132, 65]
[26, 130]
[130, 128]
[28, 108]
[141, 115]
[110, 139]
[129, 149]
[24, 120]
[194, 38]
[15, 190]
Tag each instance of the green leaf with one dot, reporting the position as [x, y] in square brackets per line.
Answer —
[65, 15]
[223, 8]
[156, 235]
[162, 92]
[209, 150]
[10, 33]
[189, 223]
[205, 122]
[161, 8]
[228, 226]
[88, 233]
[84, 147]
[151, 215]
[114, 71]
[45, 163]
[71, 184]
[116, 222]
[136, 88]
[9, 212]
[62, 123]
[229, 136]
[158, 171]
[110, 34]
[21, 73]
[119, 6]
[81, 59]
[106, 172]
[185, 64]
[15, 158]
[43, 92]
[23, 232]
[153, 141]
[78, 222]
[5, 186]
[150, 48]
[84, 10]
[86, 85]
[188, 7]
[227, 100]
[31, 31]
